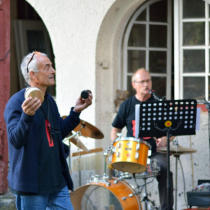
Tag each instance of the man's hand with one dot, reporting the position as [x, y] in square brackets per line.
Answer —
[114, 132]
[82, 103]
[30, 105]
[162, 141]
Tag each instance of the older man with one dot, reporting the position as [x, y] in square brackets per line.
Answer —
[38, 172]
[142, 84]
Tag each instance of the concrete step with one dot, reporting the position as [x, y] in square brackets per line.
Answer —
[7, 201]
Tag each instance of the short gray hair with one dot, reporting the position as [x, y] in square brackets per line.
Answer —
[29, 64]
[133, 78]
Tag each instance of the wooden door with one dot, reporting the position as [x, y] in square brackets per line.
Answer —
[4, 87]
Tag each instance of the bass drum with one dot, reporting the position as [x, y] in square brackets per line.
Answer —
[106, 195]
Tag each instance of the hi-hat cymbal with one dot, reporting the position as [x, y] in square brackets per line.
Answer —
[177, 150]
[89, 130]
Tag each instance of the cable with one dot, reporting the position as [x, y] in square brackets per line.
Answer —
[180, 163]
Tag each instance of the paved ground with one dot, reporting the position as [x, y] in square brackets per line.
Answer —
[7, 201]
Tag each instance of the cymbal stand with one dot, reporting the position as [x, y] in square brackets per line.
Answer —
[105, 161]
[148, 203]
[107, 153]
[69, 156]
[76, 134]
[177, 156]
[73, 135]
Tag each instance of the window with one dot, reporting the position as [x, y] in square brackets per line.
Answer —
[193, 49]
[147, 43]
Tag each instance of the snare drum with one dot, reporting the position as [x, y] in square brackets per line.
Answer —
[130, 155]
[106, 194]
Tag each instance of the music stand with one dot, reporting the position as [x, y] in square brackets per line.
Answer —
[166, 118]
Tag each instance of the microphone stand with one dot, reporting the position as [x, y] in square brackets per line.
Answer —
[152, 92]
[168, 184]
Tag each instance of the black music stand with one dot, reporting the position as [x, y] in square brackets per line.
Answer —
[166, 118]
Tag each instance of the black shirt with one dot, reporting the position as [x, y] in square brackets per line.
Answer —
[126, 118]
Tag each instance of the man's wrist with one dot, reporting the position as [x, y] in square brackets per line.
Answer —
[76, 110]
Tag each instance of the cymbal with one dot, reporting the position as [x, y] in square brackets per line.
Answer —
[77, 142]
[89, 130]
[177, 150]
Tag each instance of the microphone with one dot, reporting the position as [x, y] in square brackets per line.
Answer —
[152, 92]
[85, 94]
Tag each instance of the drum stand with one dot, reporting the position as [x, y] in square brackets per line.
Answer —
[148, 204]
[76, 134]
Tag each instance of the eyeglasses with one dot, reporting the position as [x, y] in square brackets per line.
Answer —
[143, 81]
[35, 52]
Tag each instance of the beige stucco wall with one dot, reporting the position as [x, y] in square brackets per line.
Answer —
[73, 32]
[87, 53]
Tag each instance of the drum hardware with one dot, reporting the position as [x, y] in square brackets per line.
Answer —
[75, 140]
[119, 135]
[147, 174]
[151, 171]
[137, 147]
[73, 137]
[107, 155]
[119, 179]
[148, 203]
[129, 196]
[97, 179]
[105, 161]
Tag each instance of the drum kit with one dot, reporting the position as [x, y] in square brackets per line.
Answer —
[126, 162]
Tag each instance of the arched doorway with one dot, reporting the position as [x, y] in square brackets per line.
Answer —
[28, 33]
